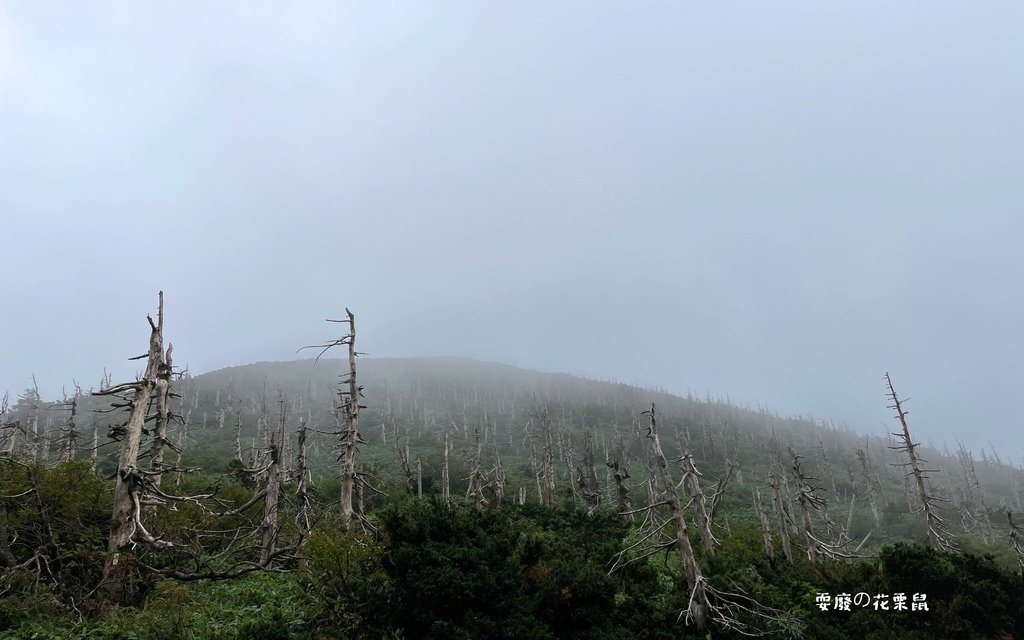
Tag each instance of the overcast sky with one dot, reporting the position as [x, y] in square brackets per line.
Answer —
[778, 201]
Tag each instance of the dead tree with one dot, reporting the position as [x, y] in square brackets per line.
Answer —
[826, 466]
[163, 415]
[475, 489]
[974, 511]
[871, 482]
[706, 604]
[808, 498]
[621, 474]
[238, 433]
[269, 527]
[1016, 540]
[703, 507]
[781, 505]
[349, 438]
[698, 608]
[446, 487]
[499, 478]
[182, 444]
[70, 446]
[419, 477]
[547, 460]
[587, 476]
[939, 536]
[302, 516]
[401, 448]
[126, 519]
[9, 425]
[766, 528]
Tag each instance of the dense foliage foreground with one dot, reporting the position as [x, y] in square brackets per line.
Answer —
[453, 571]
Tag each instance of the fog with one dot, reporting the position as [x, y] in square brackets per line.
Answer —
[774, 202]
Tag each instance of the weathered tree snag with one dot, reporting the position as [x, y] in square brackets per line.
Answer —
[547, 460]
[826, 466]
[781, 509]
[419, 478]
[238, 433]
[871, 482]
[806, 497]
[589, 487]
[163, 414]
[10, 427]
[446, 488]
[349, 438]
[697, 609]
[938, 536]
[302, 507]
[499, 478]
[125, 520]
[269, 528]
[691, 485]
[70, 447]
[475, 490]
[766, 528]
[621, 474]
[1016, 540]
[975, 509]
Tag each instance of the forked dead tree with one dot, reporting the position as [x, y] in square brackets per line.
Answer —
[704, 507]
[939, 536]
[706, 605]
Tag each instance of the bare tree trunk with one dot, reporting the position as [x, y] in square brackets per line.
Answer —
[350, 439]
[475, 490]
[94, 449]
[269, 527]
[589, 486]
[70, 447]
[125, 520]
[621, 474]
[446, 490]
[698, 605]
[938, 536]
[1016, 540]
[805, 498]
[419, 478]
[974, 496]
[691, 485]
[766, 528]
[870, 481]
[163, 414]
[238, 433]
[547, 461]
[779, 502]
[302, 521]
